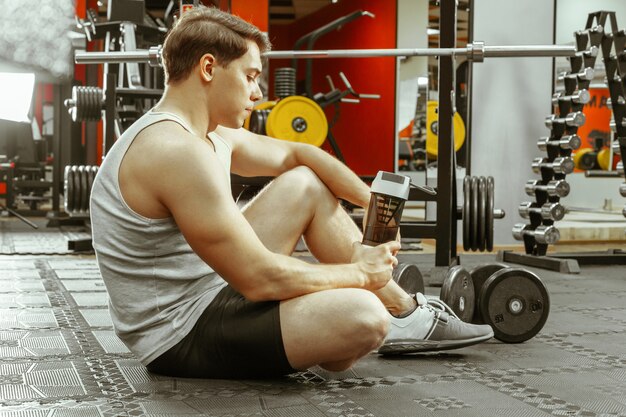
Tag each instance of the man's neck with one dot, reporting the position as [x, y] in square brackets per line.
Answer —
[189, 105]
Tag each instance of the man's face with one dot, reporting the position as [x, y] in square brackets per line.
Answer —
[235, 89]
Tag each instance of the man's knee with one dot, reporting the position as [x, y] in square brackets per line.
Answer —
[369, 321]
[306, 182]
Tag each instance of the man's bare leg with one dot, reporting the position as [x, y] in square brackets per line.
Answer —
[298, 203]
[303, 205]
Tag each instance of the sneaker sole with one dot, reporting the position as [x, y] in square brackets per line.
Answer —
[405, 346]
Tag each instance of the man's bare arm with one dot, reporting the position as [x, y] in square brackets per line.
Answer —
[192, 184]
[257, 155]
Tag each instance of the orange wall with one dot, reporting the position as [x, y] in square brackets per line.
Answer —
[255, 12]
[365, 132]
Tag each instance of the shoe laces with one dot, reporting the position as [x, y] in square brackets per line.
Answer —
[437, 305]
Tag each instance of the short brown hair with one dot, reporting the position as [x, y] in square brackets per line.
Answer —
[207, 30]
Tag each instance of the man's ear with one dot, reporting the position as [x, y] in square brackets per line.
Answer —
[207, 66]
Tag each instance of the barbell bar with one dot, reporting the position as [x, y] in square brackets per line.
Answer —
[475, 51]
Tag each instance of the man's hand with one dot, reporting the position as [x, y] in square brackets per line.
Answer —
[376, 262]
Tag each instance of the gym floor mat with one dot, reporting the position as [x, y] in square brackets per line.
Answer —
[59, 356]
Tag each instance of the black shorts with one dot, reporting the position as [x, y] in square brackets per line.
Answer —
[233, 338]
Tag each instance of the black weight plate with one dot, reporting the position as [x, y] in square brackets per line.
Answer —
[409, 278]
[457, 291]
[92, 104]
[515, 303]
[482, 215]
[466, 212]
[266, 114]
[489, 214]
[474, 214]
[255, 121]
[479, 275]
[84, 191]
[68, 189]
[76, 194]
[90, 175]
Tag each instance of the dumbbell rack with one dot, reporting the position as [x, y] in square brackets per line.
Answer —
[588, 42]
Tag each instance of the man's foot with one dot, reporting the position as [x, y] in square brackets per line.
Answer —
[433, 326]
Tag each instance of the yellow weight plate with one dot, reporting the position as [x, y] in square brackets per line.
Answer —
[604, 159]
[261, 106]
[432, 129]
[298, 119]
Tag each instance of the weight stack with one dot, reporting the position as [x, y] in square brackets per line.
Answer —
[567, 117]
[77, 183]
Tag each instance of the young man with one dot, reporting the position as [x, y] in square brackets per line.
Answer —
[199, 288]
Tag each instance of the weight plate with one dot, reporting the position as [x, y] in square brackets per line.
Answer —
[409, 278]
[88, 114]
[432, 129]
[298, 119]
[457, 291]
[256, 119]
[90, 176]
[474, 214]
[604, 159]
[261, 106]
[515, 303]
[466, 212]
[85, 189]
[76, 194]
[479, 275]
[482, 213]
[265, 115]
[93, 104]
[82, 190]
[68, 189]
[489, 214]
[583, 162]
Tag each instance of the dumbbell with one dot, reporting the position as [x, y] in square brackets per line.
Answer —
[592, 52]
[613, 124]
[616, 149]
[585, 74]
[548, 211]
[566, 142]
[457, 291]
[547, 235]
[561, 165]
[555, 188]
[620, 167]
[513, 301]
[579, 97]
[620, 101]
[409, 278]
[622, 189]
[576, 119]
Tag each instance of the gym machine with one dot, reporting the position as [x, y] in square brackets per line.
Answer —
[568, 104]
[129, 90]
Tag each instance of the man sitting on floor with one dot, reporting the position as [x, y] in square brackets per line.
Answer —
[200, 288]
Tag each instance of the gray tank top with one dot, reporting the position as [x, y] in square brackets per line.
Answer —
[158, 287]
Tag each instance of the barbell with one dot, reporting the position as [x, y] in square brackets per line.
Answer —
[476, 51]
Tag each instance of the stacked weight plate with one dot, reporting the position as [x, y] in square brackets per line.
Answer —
[478, 213]
[552, 168]
[78, 180]
[86, 103]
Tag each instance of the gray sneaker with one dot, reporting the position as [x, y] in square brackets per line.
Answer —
[433, 326]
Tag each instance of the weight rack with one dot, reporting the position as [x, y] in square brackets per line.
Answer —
[569, 112]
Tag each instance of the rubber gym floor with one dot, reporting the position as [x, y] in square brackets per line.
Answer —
[59, 355]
